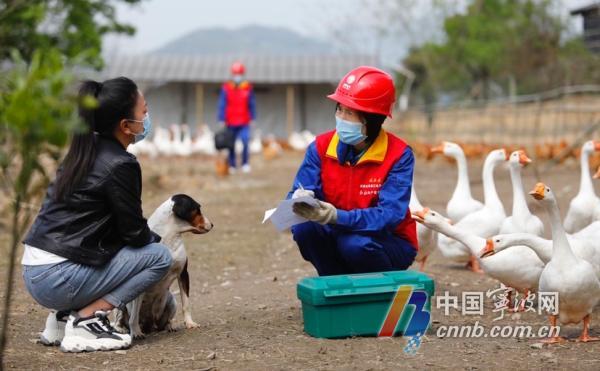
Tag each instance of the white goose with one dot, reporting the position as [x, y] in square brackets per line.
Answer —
[427, 237]
[144, 147]
[308, 137]
[461, 203]
[162, 141]
[573, 278]
[204, 143]
[175, 138]
[297, 142]
[591, 231]
[256, 143]
[521, 220]
[581, 208]
[585, 249]
[596, 215]
[517, 267]
[167, 143]
[184, 146]
[484, 222]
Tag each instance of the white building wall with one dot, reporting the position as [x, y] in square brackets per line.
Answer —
[172, 103]
[320, 109]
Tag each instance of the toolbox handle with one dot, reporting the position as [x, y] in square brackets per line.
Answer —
[365, 291]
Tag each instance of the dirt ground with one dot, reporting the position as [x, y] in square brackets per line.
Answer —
[243, 288]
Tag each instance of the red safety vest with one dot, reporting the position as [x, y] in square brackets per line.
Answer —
[357, 187]
[237, 112]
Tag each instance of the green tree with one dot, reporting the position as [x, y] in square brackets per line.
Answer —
[501, 39]
[420, 63]
[74, 27]
[36, 117]
[41, 43]
[515, 46]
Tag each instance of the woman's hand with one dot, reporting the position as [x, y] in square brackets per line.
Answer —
[325, 213]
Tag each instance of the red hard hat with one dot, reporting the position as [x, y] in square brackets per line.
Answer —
[366, 89]
[237, 68]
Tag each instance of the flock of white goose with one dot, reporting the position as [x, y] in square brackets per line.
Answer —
[177, 140]
[511, 248]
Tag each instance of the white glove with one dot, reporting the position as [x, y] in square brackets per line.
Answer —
[325, 213]
[302, 192]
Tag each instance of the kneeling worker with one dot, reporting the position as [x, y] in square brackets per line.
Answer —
[362, 177]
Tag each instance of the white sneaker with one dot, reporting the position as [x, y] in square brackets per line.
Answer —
[91, 334]
[232, 170]
[246, 168]
[55, 328]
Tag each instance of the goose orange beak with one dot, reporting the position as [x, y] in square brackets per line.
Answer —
[419, 216]
[488, 250]
[523, 159]
[539, 191]
[596, 145]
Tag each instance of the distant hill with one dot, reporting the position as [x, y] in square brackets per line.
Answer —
[246, 40]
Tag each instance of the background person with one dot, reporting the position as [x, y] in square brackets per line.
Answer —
[237, 111]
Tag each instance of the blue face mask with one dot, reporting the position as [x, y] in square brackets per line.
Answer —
[349, 132]
[147, 127]
[238, 78]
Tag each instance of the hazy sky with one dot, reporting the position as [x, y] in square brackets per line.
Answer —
[160, 21]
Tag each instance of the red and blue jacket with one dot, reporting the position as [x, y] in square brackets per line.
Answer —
[237, 106]
[371, 191]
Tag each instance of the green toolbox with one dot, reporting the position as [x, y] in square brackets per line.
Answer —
[370, 304]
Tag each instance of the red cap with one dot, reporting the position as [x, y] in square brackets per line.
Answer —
[366, 89]
[237, 68]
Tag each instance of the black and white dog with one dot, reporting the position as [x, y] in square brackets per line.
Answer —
[155, 309]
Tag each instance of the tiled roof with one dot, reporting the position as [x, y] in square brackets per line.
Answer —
[215, 68]
[586, 9]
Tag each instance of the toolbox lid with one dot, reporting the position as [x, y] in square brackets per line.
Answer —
[350, 288]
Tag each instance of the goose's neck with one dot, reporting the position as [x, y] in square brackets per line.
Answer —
[414, 203]
[519, 203]
[473, 242]
[541, 246]
[585, 185]
[463, 187]
[561, 249]
[176, 134]
[427, 234]
[489, 187]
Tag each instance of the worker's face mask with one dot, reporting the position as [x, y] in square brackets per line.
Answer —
[238, 78]
[147, 127]
[349, 132]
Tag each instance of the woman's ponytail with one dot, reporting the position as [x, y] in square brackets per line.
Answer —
[82, 153]
[116, 100]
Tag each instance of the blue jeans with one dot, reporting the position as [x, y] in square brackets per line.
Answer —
[72, 286]
[243, 132]
[335, 251]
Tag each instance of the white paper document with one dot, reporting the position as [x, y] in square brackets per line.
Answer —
[283, 216]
